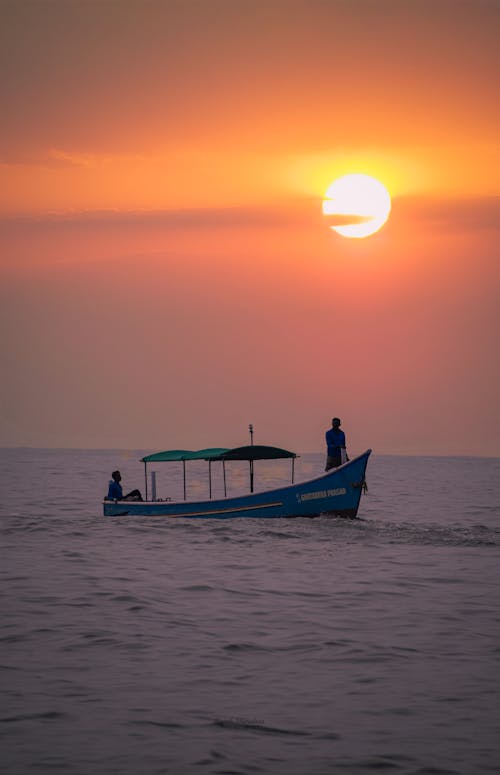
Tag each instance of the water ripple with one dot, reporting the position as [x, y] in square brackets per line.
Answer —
[283, 648]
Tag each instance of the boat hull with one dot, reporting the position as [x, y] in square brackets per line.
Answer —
[337, 493]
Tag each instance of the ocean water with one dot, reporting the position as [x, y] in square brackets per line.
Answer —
[297, 647]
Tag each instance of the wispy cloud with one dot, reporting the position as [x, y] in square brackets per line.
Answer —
[63, 157]
[72, 159]
[478, 213]
[473, 213]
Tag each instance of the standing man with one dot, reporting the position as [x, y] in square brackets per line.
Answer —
[335, 443]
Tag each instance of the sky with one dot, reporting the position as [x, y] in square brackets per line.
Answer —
[166, 274]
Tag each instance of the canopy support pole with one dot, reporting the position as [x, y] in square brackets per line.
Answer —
[251, 475]
[224, 475]
[293, 468]
[184, 476]
[210, 478]
[146, 477]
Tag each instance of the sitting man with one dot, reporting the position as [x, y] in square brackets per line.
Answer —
[115, 492]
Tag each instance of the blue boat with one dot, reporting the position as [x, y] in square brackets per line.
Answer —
[336, 492]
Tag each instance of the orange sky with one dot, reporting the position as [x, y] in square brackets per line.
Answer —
[166, 274]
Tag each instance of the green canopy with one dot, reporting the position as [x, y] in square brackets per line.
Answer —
[213, 453]
[250, 452]
[171, 454]
[221, 454]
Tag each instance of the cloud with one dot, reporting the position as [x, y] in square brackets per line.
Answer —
[475, 214]
[73, 159]
[300, 211]
[58, 157]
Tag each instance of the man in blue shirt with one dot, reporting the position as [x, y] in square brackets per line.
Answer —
[335, 442]
[115, 492]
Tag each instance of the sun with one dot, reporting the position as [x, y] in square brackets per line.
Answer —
[356, 205]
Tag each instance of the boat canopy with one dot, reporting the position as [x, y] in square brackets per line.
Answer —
[213, 453]
[256, 452]
[250, 452]
[216, 454]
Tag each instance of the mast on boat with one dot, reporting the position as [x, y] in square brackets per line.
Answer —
[250, 428]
